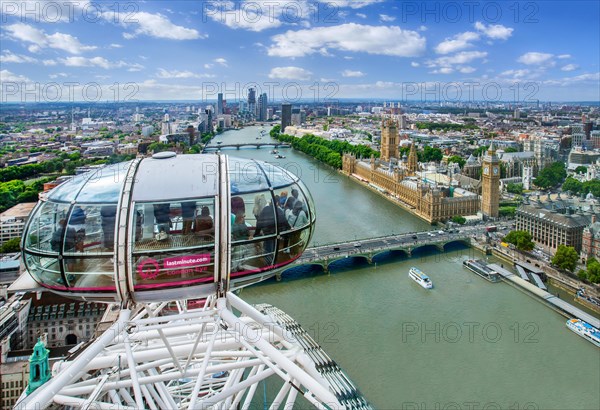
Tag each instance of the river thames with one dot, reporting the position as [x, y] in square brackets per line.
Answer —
[466, 344]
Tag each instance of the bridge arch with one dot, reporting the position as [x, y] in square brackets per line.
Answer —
[390, 255]
[457, 244]
[347, 262]
[427, 249]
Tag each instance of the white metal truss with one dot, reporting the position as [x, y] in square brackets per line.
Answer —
[165, 356]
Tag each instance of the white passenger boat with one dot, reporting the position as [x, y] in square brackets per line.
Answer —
[584, 330]
[419, 277]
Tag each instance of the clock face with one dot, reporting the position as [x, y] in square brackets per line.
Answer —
[486, 170]
[495, 170]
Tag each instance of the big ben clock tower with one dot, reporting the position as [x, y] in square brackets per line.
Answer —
[490, 183]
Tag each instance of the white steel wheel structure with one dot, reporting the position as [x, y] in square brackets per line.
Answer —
[164, 241]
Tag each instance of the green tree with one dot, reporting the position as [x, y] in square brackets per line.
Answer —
[508, 211]
[511, 149]
[514, 188]
[566, 257]
[551, 175]
[521, 239]
[430, 154]
[581, 170]
[573, 185]
[459, 219]
[10, 246]
[459, 160]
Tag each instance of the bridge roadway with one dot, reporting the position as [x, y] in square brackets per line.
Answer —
[368, 248]
[257, 145]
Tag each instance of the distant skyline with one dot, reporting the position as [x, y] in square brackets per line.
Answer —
[292, 50]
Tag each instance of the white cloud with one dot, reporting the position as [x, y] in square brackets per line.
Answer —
[162, 73]
[152, 25]
[361, 15]
[466, 69]
[9, 57]
[570, 67]
[494, 31]
[208, 66]
[39, 38]
[535, 58]
[246, 20]
[444, 70]
[355, 4]
[456, 43]
[415, 64]
[115, 45]
[221, 61]
[352, 74]
[53, 76]
[386, 18]
[517, 74]
[100, 62]
[381, 40]
[290, 73]
[463, 57]
[7, 76]
[563, 56]
[423, 28]
[589, 78]
[49, 62]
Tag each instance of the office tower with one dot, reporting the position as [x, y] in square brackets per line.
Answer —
[252, 101]
[219, 103]
[262, 107]
[286, 116]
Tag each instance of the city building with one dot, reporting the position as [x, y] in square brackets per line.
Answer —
[219, 103]
[490, 183]
[554, 222]
[262, 107]
[66, 322]
[13, 220]
[252, 101]
[389, 140]
[591, 241]
[428, 201]
[286, 116]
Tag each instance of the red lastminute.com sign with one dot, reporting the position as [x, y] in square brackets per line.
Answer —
[180, 265]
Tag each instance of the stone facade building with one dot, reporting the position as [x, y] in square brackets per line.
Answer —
[430, 203]
[591, 240]
[490, 184]
[553, 223]
[389, 140]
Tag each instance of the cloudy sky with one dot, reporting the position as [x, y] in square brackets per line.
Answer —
[402, 50]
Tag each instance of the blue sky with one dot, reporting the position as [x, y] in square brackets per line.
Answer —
[396, 50]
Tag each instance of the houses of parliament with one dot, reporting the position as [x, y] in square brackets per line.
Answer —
[426, 197]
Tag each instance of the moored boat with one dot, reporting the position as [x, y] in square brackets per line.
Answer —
[584, 330]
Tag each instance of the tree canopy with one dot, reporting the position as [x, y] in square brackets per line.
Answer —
[459, 160]
[551, 175]
[329, 152]
[566, 257]
[521, 239]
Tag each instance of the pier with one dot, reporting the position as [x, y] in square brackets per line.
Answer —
[558, 304]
